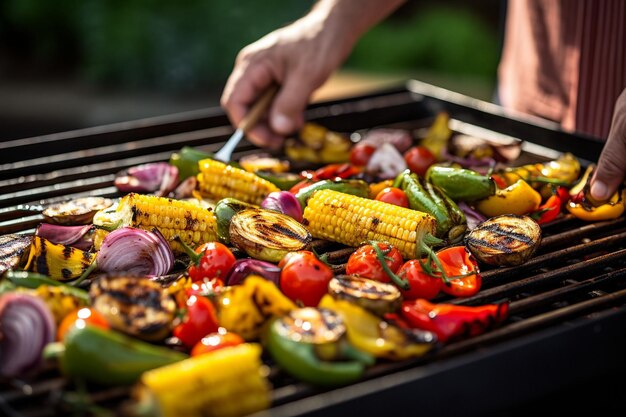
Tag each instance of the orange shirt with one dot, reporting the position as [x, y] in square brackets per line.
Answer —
[565, 60]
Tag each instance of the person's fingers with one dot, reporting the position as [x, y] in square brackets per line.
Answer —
[286, 113]
[262, 135]
[612, 163]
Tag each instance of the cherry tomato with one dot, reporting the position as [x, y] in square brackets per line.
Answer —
[214, 341]
[361, 153]
[422, 285]
[393, 195]
[365, 263]
[418, 159]
[304, 278]
[80, 318]
[456, 260]
[215, 262]
[200, 320]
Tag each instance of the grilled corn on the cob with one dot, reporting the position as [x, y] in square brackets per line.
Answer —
[353, 220]
[217, 180]
[229, 382]
[195, 225]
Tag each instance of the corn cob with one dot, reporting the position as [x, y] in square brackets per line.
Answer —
[194, 224]
[353, 220]
[217, 180]
[228, 382]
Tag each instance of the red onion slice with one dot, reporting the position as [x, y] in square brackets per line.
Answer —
[159, 177]
[283, 202]
[136, 252]
[246, 267]
[76, 236]
[26, 327]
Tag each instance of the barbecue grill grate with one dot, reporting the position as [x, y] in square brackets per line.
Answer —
[574, 288]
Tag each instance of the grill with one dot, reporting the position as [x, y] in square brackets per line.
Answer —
[567, 328]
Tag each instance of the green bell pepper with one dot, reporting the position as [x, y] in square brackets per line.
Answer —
[107, 357]
[355, 187]
[186, 160]
[461, 184]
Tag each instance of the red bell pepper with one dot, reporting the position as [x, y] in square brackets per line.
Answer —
[548, 210]
[451, 322]
[462, 277]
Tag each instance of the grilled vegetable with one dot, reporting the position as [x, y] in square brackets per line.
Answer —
[229, 382]
[425, 197]
[14, 250]
[80, 237]
[584, 207]
[263, 162]
[375, 296]
[283, 202]
[317, 144]
[218, 180]
[310, 344]
[366, 263]
[381, 339]
[26, 326]
[353, 220]
[353, 187]
[58, 262]
[159, 178]
[243, 268]
[565, 169]
[62, 300]
[519, 198]
[134, 305]
[462, 277]
[225, 209]
[436, 139]
[267, 235]
[304, 278]
[504, 240]
[461, 184]
[81, 317]
[76, 212]
[107, 357]
[186, 160]
[283, 180]
[199, 320]
[208, 261]
[245, 308]
[452, 322]
[193, 224]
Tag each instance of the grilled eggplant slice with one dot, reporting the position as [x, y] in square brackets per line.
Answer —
[75, 212]
[267, 235]
[134, 305]
[13, 251]
[506, 240]
[378, 297]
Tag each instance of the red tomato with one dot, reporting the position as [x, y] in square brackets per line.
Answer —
[304, 278]
[199, 321]
[364, 262]
[456, 260]
[422, 285]
[361, 153]
[214, 341]
[80, 318]
[393, 195]
[215, 262]
[418, 159]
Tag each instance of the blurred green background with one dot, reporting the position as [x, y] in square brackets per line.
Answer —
[70, 64]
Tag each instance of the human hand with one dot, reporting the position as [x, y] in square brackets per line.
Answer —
[612, 163]
[299, 58]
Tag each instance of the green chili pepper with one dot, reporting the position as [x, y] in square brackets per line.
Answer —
[283, 180]
[34, 280]
[225, 209]
[187, 161]
[355, 187]
[308, 342]
[461, 184]
[107, 357]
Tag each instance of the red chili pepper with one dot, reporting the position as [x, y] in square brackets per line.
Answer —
[548, 210]
[336, 171]
[461, 269]
[199, 320]
[451, 322]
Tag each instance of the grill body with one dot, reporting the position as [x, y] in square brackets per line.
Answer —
[567, 330]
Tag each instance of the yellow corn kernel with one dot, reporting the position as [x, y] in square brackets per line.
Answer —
[228, 382]
[217, 180]
[376, 220]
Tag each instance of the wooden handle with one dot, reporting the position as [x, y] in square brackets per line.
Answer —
[258, 109]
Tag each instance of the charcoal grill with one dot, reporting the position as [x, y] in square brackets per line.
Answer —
[566, 335]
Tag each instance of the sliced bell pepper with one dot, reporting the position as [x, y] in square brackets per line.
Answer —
[461, 270]
[451, 322]
[519, 198]
[548, 210]
[586, 208]
[377, 337]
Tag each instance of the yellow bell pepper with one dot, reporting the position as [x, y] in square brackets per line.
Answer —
[377, 187]
[59, 262]
[245, 309]
[519, 198]
[612, 209]
[372, 335]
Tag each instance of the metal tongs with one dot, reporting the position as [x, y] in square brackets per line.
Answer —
[246, 124]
